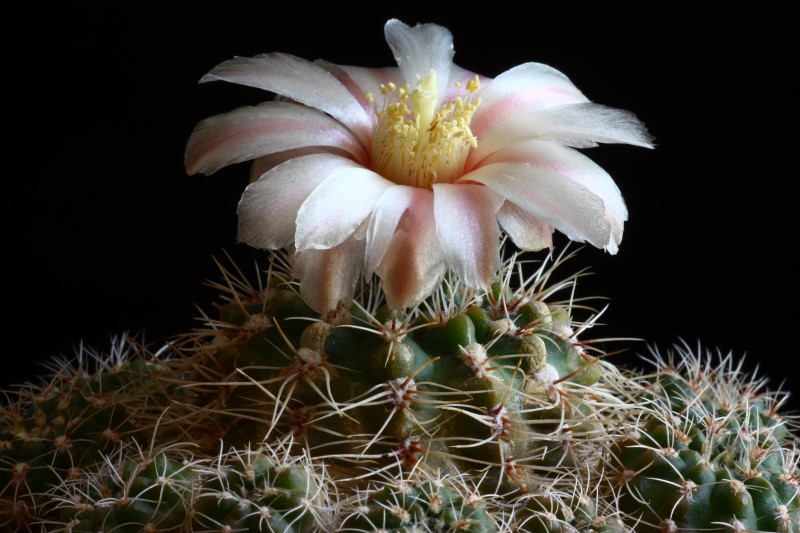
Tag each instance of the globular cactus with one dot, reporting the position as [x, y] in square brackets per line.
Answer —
[53, 430]
[129, 491]
[492, 388]
[550, 510]
[495, 380]
[263, 489]
[478, 411]
[416, 500]
[710, 452]
[172, 489]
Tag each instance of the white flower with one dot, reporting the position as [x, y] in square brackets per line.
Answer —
[406, 172]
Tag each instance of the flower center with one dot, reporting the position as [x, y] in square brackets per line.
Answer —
[416, 144]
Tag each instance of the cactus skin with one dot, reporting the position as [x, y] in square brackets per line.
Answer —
[710, 454]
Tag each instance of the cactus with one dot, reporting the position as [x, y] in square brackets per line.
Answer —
[172, 489]
[495, 380]
[492, 388]
[388, 371]
[477, 411]
[418, 501]
[711, 451]
[53, 430]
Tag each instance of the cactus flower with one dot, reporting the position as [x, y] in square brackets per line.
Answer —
[406, 172]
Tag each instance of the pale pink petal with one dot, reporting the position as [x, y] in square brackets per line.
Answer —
[585, 125]
[530, 86]
[414, 262]
[250, 132]
[466, 224]
[420, 49]
[554, 158]
[551, 197]
[268, 208]
[385, 216]
[328, 277]
[300, 80]
[267, 162]
[525, 230]
[337, 206]
[578, 125]
[361, 80]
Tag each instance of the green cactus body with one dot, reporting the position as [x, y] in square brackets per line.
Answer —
[172, 490]
[491, 381]
[557, 512]
[56, 430]
[139, 494]
[710, 454]
[477, 412]
[257, 491]
[409, 506]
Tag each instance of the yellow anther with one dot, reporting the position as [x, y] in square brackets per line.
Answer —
[474, 84]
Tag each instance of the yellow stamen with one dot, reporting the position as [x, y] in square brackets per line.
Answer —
[415, 143]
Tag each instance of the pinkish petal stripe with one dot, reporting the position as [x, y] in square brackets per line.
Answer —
[300, 80]
[251, 132]
[466, 225]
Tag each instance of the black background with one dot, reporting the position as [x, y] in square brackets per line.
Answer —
[106, 234]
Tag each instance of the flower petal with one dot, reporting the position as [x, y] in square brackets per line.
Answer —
[250, 132]
[337, 206]
[300, 80]
[263, 164]
[420, 49]
[579, 125]
[360, 80]
[584, 125]
[550, 157]
[328, 277]
[466, 225]
[414, 262]
[527, 87]
[526, 231]
[382, 224]
[551, 197]
[268, 208]
[402, 246]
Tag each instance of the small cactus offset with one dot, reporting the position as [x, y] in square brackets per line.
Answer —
[398, 367]
[711, 452]
[53, 431]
